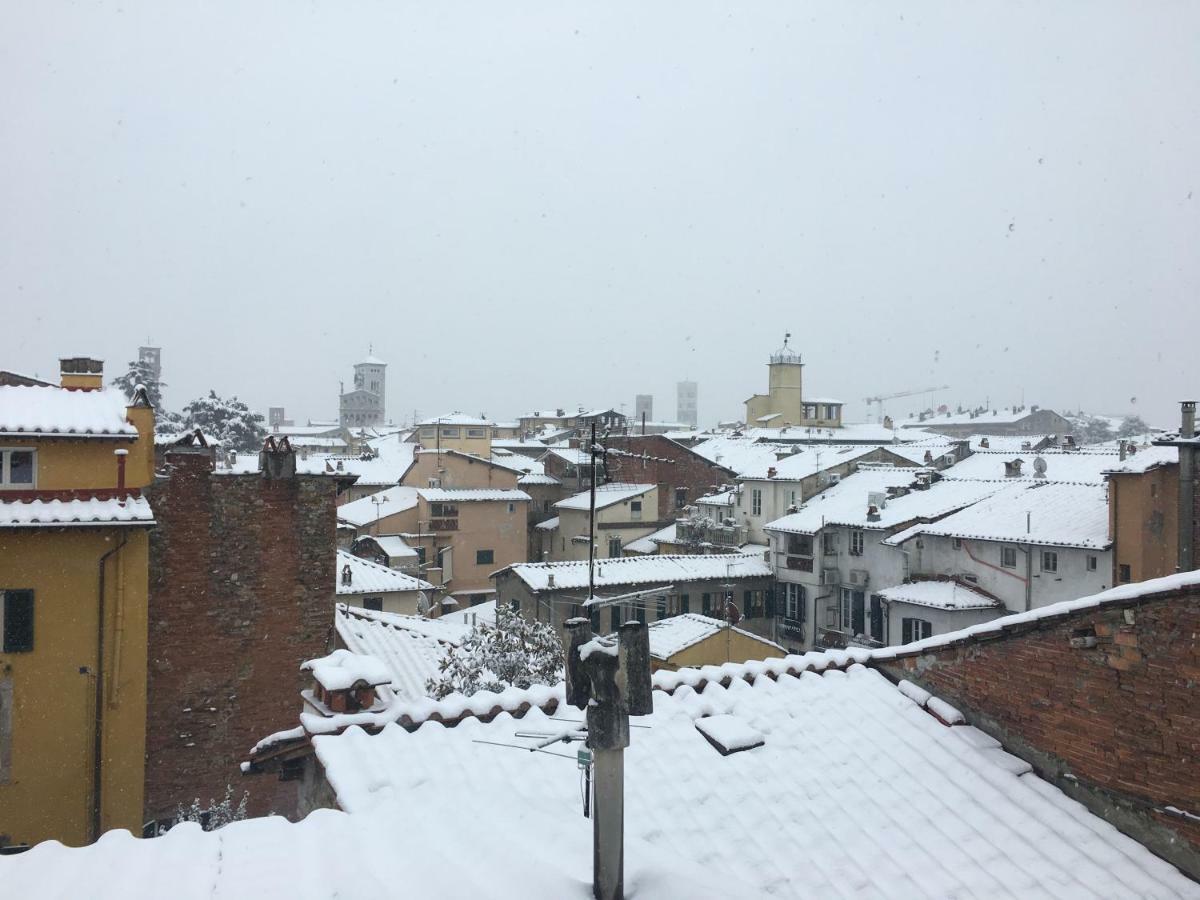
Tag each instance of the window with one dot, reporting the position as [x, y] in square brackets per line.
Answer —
[512, 508]
[474, 432]
[794, 602]
[800, 544]
[420, 556]
[614, 618]
[485, 557]
[17, 468]
[639, 613]
[375, 603]
[614, 546]
[443, 510]
[1008, 557]
[661, 610]
[1091, 563]
[635, 509]
[18, 621]
[450, 432]
[1049, 561]
[915, 630]
[856, 543]
[752, 604]
[685, 604]
[680, 498]
[428, 433]
[706, 604]
[1124, 572]
[756, 502]
[829, 543]
[958, 543]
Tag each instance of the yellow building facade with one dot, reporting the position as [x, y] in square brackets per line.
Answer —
[783, 404]
[74, 557]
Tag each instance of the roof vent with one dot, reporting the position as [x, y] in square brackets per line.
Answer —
[549, 579]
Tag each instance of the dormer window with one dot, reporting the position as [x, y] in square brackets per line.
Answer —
[18, 468]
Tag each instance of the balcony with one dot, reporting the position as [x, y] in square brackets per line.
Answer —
[798, 563]
[443, 525]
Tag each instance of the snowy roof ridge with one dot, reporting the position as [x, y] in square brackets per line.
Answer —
[606, 495]
[655, 568]
[369, 577]
[467, 495]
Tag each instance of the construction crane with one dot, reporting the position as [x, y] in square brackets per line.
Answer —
[879, 399]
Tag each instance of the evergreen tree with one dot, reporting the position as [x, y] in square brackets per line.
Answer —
[230, 421]
[139, 372]
[1132, 426]
[215, 815]
[512, 653]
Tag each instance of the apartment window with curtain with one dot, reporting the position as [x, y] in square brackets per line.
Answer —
[756, 502]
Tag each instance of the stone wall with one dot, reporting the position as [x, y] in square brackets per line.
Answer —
[241, 583]
[1102, 702]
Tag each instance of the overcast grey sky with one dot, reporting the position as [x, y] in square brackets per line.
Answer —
[525, 203]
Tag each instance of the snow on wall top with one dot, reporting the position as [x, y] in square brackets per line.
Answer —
[846, 503]
[32, 513]
[366, 510]
[677, 633]
[606, 495]
[55, 411]
[939, 594]
[1047, 513]
[665, 569]
[410, 647]
[371, 578]
[649, 543]
[342, 669]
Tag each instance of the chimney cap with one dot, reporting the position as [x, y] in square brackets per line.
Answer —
[80, 365]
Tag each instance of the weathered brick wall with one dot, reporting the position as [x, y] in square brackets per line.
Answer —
[1116, 725]
[659, 460]
[241, 583]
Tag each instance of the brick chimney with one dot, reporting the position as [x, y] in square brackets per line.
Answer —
[81, 373]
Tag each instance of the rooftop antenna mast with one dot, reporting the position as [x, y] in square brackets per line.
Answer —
[592, 516]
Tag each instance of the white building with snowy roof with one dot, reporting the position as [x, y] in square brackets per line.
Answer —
[366, 584]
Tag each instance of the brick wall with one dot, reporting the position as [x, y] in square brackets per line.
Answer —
[655, 459]
[241, 584]
[1116, 725]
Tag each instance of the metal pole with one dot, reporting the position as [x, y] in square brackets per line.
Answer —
[592, 519]
[608, 825]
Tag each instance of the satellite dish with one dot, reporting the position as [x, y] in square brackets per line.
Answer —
[1039, 467]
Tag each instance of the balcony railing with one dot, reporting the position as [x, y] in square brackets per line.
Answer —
[443, 524]
[798, 563]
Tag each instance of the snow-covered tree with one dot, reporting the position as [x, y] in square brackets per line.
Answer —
[512, 653]
[215, 815]
[229, 421]
[140, 372]
[1132, 426]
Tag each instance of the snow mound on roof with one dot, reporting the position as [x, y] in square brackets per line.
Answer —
[342, 669]
[52, 410]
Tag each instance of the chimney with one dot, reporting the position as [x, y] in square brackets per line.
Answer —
[120, 454]
[1013, 469]
[550, 580]
[1187, 427]
[984, 443]
[347, 574]
[872, 513]
[81, 373]
[928, 457]
[771, 472]
[887, 422]
[1121, 450]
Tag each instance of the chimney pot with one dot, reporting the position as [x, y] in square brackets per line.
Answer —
[1187, 419]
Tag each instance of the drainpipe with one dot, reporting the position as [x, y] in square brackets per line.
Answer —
[98, 700]
[1187, 487]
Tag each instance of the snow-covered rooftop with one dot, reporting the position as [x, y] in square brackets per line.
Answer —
[456, 418]
[470, 495]
[571, 455]
[30, 411]
[623, 570]
[675, 634]
[394, 545]
[410, 647]
[804, 461]
[1145, 459]
[392, 458]
[939, 594]
[846, 502]
[342, 669]
[739, 454]
[1006, 415]
[1083, 466]
[1048, 513]
[517, 462]
[367, 577]
[606, 495]
[58, 513]
[366, 510]
[547, 525]
[649, 543]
